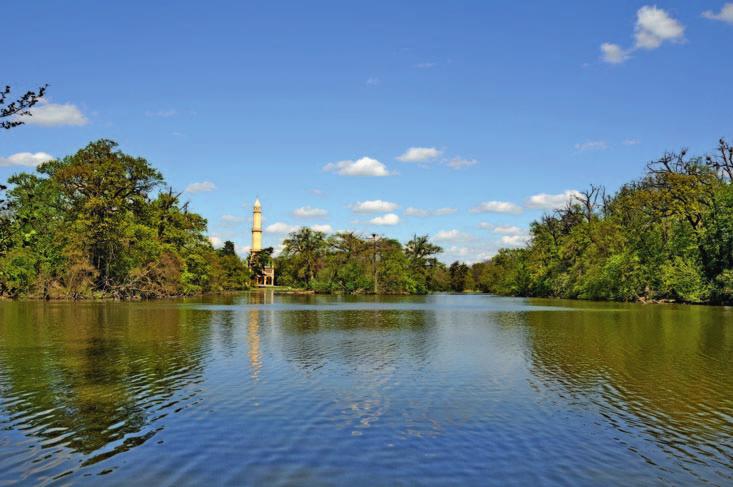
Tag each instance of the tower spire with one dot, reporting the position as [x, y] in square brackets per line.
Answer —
[257, 226]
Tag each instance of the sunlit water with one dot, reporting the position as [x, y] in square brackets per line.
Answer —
[266, 390]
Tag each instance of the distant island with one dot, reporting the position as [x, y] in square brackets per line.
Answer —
[104, 224]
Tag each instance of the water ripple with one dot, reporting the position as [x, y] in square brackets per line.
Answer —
[266, 390]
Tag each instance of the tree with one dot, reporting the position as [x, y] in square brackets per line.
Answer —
[458, 275]
[107, 190]
[307, 248]
[667, 236]
[91, 224]
[259, 260]
[11, 110]
[420, 252]
[227, 249]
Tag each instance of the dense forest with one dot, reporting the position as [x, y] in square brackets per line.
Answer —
[100, 223]
[347, 262]
[665, 237]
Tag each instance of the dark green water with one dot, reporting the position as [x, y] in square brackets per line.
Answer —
[267, 390]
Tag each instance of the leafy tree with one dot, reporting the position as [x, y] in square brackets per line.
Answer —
[307, 248]
[92, 224]
[667, 236]
[458, 274]
[227, 249]
[260, 260]
[420, 253]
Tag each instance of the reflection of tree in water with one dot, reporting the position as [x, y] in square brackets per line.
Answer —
[365, 349]
[667, 371]
[361, 339]
[90, 376]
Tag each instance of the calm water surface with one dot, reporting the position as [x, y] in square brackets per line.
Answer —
[268, 390]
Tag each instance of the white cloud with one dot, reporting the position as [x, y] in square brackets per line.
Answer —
[502, 229]
[632, 142]
[469, 254]
[243, 250]
[418, 212]
[54, 114]
[655, 26]
[27, 159]
[419, 154]
[202, 187]
[322, 228]
[216, 241]
[425, 65]
[366, 166]
[373, 206]
[232, 219]
[388, 219]
[591, 145]
[547, 201]
[280, 227]
[508, 230]
[496, 207]
[458, 251]
[613, 53]
[278, 249]
[725, 14]
[308, 212]
[373, 81]
[422, 213]
[450, 235]
[514, 240]
[460, 163]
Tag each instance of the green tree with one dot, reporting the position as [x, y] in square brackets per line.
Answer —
[458, 274]
[92, 224]
[306, 248]
[420, 253]
[260, 260]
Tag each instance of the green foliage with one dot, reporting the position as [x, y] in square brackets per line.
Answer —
[305, 249]
[18, 272]
[458, 274]
[259, 261]
[668, 236]
[683, 281]
[96, 223]
[353, 264]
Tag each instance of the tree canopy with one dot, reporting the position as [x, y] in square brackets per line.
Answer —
[100, 223]
[347, 262]
[665, 237]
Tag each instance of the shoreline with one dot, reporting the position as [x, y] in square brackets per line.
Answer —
[287, 291]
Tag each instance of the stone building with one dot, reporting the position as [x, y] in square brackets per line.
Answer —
[267, 278]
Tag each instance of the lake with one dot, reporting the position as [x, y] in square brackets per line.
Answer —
[260, 389]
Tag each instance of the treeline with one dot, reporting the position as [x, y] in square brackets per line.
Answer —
[100, 223]
[665, 237]
[350, 263]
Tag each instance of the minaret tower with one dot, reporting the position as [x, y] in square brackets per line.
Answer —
[257, 227]
[266, 275]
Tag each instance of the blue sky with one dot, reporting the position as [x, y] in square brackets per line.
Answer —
[508, 106]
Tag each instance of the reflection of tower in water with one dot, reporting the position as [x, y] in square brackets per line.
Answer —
[253, 338]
